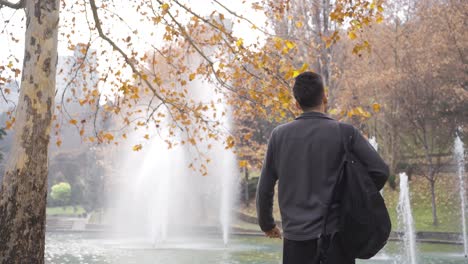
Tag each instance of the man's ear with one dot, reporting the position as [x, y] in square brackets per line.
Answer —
[325, 100]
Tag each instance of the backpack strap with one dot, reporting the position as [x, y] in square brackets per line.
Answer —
[323, 240]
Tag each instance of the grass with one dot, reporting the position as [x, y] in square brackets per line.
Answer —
[67, 210]
[447, 199]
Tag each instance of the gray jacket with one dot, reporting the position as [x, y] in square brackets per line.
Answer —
[304, 156]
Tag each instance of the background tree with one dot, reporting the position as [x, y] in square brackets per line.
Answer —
[61, 193]
[416, 72]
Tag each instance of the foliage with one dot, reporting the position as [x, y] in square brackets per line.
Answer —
[61, 193]
[146, 86]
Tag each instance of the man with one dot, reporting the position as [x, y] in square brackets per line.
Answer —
[305, 157]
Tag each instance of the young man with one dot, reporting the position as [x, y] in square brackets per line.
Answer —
[305, 156]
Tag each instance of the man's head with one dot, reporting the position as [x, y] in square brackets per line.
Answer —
[309, 91]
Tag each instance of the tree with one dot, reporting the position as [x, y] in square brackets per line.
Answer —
[24, 189]
[61, 193]
[134, 91]
[416, 71]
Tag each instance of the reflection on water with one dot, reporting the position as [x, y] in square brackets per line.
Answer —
[62, 248]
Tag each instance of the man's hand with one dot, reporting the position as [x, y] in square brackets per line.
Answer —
[274, 233]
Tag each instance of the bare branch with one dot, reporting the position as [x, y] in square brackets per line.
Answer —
[18, 5]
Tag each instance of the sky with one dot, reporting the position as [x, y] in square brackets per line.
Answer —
[11, 49]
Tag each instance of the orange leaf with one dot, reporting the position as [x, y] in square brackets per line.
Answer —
[108, 136]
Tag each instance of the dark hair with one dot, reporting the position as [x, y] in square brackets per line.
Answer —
[308, 89]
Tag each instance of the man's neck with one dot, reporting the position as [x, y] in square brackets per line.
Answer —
[315, 109]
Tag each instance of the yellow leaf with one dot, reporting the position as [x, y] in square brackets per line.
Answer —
[137, 147]
[239, 42]
[379, 19]
[333, 111]
[81, 132]
[359, 110]
[91, 139]
[165, 6]
[59, 142]
[192, 76]
[146, 136]
[290, 44]
[352, 35]
[299, 24]
[376, 107]
[230, 142]
[380, 8]
[295, 74]
[242, 163]
[73, 122]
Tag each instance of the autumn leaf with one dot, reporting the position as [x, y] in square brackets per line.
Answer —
[137, 147]
[73, 121]
[290, 44]
[230, 142]
[242, 163]
[108, 136]
[9, 124]
[165, 8]
[333, 111]
[239, 42]
[376, 107]
[58, 142]
[299, 24]
[192, 76]
[352, 35]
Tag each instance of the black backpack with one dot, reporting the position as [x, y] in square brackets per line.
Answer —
[364, 221]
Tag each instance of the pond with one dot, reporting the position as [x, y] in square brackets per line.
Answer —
[73, 248]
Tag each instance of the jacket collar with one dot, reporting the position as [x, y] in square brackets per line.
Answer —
[313, 115]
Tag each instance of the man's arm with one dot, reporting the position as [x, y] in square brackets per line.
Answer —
[371, 159]
[266, 189]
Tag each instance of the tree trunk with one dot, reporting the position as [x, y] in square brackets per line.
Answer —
[435, 220]
[24, 190]
[246, 191]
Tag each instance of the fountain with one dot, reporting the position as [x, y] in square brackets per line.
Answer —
[162, 200]
[460, 159]
[405, 221]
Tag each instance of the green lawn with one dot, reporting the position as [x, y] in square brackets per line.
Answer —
[447, 199]
[67, 210]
